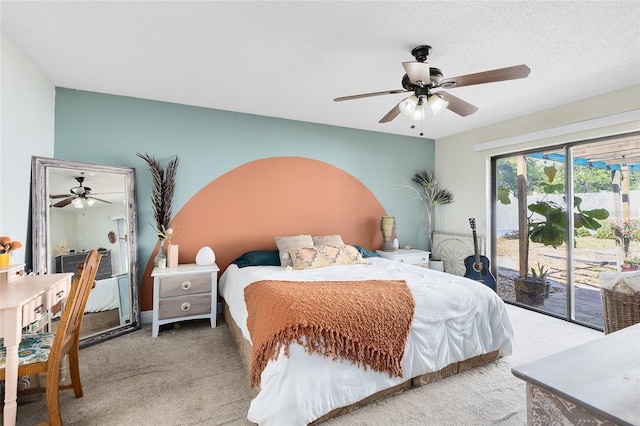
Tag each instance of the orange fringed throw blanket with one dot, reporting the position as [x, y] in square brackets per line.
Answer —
[366, 322]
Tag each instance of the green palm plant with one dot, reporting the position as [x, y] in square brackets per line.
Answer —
[431, 196]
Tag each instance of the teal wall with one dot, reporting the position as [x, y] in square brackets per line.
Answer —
[108, 129]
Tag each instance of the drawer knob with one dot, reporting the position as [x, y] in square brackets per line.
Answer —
[186, 285]
[39, 309]
[60, 294]
[185, 306]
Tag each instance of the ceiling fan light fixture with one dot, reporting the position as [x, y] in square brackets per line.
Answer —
[408, 105]
[77, 203]
[418, 114]
[91, 201]
[437, 104]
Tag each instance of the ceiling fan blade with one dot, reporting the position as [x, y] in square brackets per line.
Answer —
[418, 71]
[368, 95]
[64, 202]
[100, 199]
[500, 74]
[104, 193]
[395, 111]
[457, 105]
[59, 196]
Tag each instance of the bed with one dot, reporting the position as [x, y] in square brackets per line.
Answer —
[457, 324]
[316, 198]
[104, 296]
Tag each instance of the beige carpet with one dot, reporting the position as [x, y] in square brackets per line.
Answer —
[194, 376]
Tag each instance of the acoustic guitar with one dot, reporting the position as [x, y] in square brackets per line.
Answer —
[477, 266]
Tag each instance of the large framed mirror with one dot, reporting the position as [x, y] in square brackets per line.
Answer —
[77, 207]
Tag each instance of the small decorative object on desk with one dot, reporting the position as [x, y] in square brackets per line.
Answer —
[205, 256]
[6, 247]
[388, 228]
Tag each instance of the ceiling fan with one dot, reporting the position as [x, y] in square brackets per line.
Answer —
[78, 194]
[422, 80]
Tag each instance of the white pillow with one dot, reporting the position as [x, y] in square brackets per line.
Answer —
[328, 240]
[291, 242]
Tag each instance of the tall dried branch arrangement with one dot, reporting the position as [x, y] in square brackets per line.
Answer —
[164, 183]
[432, 195]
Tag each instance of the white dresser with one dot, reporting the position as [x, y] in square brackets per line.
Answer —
[185, 292]
[596, 383]
[413, 256]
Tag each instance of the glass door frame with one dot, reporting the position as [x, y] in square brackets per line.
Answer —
[567, 148]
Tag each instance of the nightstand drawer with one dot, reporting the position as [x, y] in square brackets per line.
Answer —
[410, 256]
[414, 259]
[183, 285]
[185, 306]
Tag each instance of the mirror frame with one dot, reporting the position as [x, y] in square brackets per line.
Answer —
[39, 223]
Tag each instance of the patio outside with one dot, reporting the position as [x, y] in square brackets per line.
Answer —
[592, 256]
[531, 197]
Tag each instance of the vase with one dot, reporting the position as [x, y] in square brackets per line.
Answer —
[160, 261]
[172, 255]
[388, 228]
[436, 265]
[5, 259]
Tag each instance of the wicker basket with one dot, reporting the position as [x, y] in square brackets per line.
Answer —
[619, 310]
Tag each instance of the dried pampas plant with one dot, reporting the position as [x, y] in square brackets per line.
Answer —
[164, 183]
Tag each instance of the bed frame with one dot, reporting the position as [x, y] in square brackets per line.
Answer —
[244, 348]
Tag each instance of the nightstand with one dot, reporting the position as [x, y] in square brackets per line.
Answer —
[185, 292]
[413, 256]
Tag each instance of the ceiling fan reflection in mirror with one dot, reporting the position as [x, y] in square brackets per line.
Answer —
[423, 80]
[78, 196]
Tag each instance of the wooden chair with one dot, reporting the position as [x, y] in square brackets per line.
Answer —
[44, 352]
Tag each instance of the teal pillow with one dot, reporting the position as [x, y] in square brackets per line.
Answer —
[366, 253]
[258, 258]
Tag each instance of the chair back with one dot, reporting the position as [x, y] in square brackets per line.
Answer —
[68, 332]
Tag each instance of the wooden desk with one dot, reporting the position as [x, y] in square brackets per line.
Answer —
[598, 381]
[22, 300]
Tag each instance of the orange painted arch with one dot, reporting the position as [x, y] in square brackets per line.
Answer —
[245, 208]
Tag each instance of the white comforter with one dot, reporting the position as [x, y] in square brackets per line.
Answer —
[455, 319]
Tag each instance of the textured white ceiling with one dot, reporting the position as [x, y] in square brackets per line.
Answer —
[290, 59]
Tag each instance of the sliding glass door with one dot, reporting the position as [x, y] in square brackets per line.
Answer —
[565, 220]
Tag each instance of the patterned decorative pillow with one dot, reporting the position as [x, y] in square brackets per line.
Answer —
[286, 243]
[333, 240]
[326, 255]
